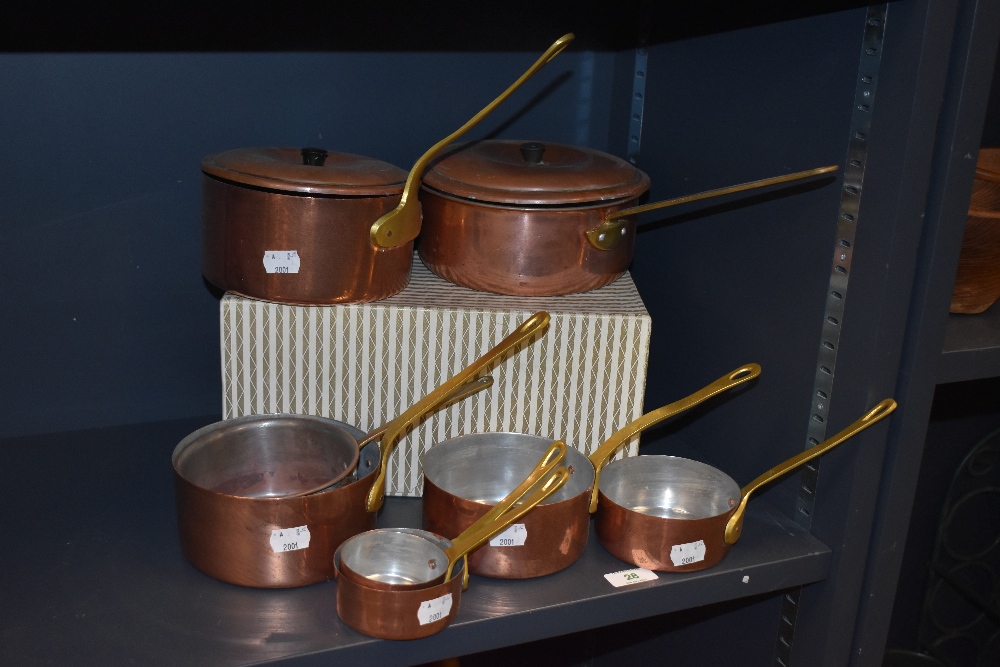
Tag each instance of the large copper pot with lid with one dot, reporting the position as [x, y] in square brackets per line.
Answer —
[292, 225]
[527, 218]
[512, 217]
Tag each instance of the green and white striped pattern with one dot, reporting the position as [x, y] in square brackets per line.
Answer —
[365, 363]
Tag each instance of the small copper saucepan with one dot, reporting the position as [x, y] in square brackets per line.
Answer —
[677, 515]
[407, 583]
[465, 476]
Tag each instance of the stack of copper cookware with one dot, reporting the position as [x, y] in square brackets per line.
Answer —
[291, 500]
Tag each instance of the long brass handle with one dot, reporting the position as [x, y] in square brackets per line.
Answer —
[472, 538]
[457, 395]
[402, 425]
[608, 235]
[402, 224]
[873, 416]
[600, 457]
[552, 458]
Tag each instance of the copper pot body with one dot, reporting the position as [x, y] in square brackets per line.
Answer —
[520, 250]
[557, 529]
[330, 233]
[702, 498]
[393, 614]
[646, 541]
[228, 537]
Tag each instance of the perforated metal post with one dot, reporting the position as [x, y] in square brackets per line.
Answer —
[840, 273]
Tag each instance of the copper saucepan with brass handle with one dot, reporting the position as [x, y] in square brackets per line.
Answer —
[673, 514]
[240, 483]
[527, 218]
[465, 476]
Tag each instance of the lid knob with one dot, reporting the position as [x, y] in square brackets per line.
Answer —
[532, 151]
[314, 156]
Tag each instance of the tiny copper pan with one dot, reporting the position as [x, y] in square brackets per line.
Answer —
[411, 613]
[672, 514]
[465, 476]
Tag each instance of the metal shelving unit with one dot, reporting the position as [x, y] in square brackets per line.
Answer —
[836, 287]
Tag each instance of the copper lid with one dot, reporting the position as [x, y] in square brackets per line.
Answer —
[518, 172]
[306, 170]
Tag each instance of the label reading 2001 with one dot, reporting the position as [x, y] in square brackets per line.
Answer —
[514, 536]
[685, 554]
[289, 539]
[434, 610]
[282, 261]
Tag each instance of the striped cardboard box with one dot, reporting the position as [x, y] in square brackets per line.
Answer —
[365, 363]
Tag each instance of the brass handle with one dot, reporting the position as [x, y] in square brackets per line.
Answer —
[873, 416]
[459, 394]
[609, 234]
[402, 224]
[552, 457]
[401, 426]
[472, 538]
[600, 457]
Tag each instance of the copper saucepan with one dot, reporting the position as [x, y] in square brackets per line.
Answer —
[465, 476]
[677, 515]
[260, 541]
[527, 218]
[428, 569]
[237, 512]
[296, 225]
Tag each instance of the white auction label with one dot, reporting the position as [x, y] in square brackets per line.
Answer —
[281, 261]
[514, 536]
[434, 610]
[626, 577]
[685, 554]
[289, 539]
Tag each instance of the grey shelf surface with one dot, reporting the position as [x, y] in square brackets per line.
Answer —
[971, 349]
[93, 574]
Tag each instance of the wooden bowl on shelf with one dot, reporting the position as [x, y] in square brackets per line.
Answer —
[977, 282]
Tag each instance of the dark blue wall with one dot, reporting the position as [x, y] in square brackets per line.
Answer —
[107, 318]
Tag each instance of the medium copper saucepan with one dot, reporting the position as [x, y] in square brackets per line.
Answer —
[677, 515]
[236, 482]
[260, 541]
[465, 476]
[407, 584]
[527, 218]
